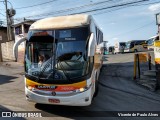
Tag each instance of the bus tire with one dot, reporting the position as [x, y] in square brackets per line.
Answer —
[135, 50]
[96, 89]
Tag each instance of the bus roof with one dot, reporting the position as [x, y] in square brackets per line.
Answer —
[153, 36]
[135, 40]
[61, 22]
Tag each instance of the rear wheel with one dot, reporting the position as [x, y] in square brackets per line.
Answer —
[96, 87]
[135, 50]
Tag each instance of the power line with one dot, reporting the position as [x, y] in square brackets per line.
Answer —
[110, 7]
[135, 29]
[2, 14]
[92, 10]
[148, 3]
[34, 5]
[126, 7]
[75, 8]
[110, 10]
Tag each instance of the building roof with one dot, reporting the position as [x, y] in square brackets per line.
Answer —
[29, 22]
[61, 22]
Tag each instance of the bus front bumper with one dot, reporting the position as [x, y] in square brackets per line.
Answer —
[80, 99]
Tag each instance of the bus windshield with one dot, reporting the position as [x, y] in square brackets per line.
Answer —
[129, 45]
[123, 44]
[57, 55]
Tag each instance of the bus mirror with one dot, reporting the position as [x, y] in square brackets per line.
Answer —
[15, 47]
[91, 45]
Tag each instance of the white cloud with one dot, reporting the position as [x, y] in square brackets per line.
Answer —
[112, 23]
[154, 7]
[115, 38]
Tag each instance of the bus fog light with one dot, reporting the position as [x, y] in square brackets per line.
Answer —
[86, 99]
[27, 96]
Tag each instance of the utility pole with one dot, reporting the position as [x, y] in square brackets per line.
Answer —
[1, 59]
[8, 27]
[9, 17]
[9, 14]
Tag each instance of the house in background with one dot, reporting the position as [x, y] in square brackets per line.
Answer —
[20, 31]
[3, 34]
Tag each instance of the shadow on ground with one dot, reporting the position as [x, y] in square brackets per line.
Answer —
[64, 111]
[6, 79]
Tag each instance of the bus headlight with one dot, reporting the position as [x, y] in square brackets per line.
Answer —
[83, 89]
[30, 88]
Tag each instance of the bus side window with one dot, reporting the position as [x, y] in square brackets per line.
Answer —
[91, 62]
[139, 43]
[157, 38]
[136, 43]
[132, 45]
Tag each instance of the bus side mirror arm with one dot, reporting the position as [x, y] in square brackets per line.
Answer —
[91, 45]
[15, 47]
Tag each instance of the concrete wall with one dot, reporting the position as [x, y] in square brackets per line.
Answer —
[6, 46]
[3, 34]
[7, 50]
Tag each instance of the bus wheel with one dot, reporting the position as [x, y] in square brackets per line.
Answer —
[96, 89]
[135, 50]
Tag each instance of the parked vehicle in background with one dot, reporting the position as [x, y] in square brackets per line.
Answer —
[105, 51]
[150, 42]
[111, 50]
[119, 47]
[136, 46]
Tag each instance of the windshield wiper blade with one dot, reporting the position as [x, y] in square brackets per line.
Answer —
[37, 79]
[44, 68]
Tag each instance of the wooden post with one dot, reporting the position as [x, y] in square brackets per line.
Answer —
[135, 67]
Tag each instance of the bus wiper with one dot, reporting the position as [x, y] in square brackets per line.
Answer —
[32, 76]
[44, 68]
[54, 71]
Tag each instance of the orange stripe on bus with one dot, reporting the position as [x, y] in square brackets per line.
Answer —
[61, 86]
[157, 60]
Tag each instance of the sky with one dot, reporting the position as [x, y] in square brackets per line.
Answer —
[121, 23]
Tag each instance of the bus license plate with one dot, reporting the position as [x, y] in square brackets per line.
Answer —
[54, 100]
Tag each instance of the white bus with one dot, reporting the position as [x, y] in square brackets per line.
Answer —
[58, 78]
[136, 46]
[119, 47]
[150, 42]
